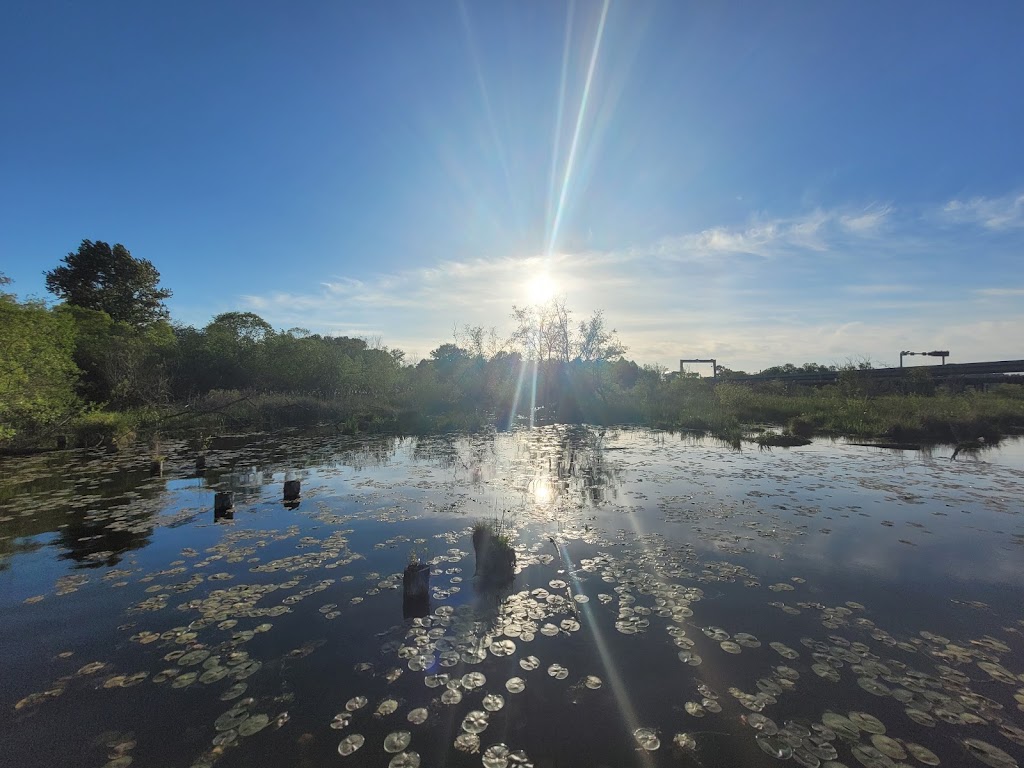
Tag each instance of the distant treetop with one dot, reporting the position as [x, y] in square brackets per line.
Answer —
[97, 276]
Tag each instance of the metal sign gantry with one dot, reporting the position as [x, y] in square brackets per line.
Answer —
[943, 353]
[713, 361]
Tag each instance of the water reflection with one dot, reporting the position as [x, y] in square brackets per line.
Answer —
[666, 587]
[566, 464]
[98, 508]
[93, 540]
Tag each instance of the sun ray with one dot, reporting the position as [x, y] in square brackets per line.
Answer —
[492, 125]
[559, 114]
[533, 395]
[577, 131]
[519, 391]
[620, 691]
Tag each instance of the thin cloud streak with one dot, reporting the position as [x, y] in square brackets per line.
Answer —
[999, 291]
[870, 220]
[882, 288]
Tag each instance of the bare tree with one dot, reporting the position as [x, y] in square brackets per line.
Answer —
[546, 332]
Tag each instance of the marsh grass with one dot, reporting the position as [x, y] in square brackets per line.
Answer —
[943, 417]
[781, 440]
[730, 411]
[106, 429]
[495, 555]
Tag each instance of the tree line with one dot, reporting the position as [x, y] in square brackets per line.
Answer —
[108, 359]
[110, 345]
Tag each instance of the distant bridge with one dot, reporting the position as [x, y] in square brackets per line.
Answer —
[986, 372]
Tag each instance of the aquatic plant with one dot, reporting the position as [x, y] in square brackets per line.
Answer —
[781, 440]
[495, 556]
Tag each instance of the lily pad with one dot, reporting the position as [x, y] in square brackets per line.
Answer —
[350, 744]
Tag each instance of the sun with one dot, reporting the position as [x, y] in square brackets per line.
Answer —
[541, 289]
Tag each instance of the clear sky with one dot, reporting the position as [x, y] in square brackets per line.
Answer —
[759, 182]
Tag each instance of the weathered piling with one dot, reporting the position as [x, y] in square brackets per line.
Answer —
[416, 590]
[292, 490]
[224, 505]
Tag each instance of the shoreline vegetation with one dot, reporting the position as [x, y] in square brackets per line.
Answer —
[766, 415]
[107, 367]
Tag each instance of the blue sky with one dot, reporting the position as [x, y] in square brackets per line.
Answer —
[756, 182]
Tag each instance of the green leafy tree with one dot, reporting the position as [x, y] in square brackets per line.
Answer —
[122, 365]
[110, 280]
[236, 344]
[5, 280]
[37, 372]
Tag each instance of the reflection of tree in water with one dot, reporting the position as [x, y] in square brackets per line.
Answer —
[489, 603]
[567, 461]
[358, 453]
[471, 458]
[319, 451]
[98, 510]
[246, 468]
[100, 536]
[26, 481]
[439, 450]
[9, 548]
[93, 540]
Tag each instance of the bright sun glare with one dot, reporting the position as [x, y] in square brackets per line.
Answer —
[541, 288]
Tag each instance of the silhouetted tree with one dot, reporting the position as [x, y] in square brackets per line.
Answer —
[111, 280]
[546, 332]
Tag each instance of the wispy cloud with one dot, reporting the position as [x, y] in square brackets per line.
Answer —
[880, 288]
[767, 238]
[827, 285]
[999, 291]
[996, 213]
[870, 220]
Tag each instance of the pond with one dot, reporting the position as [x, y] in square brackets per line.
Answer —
[676, 602]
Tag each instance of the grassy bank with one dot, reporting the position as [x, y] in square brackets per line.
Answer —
[730, 411]
[943, 417]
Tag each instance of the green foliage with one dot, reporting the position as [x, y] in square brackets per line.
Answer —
[123, 365]
[843, 410]
[104, 428]
[37, 372]
[241, 351]
[110, 280]
[800, 427]
[4, 296]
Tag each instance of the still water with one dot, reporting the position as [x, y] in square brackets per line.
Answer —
[676, 603]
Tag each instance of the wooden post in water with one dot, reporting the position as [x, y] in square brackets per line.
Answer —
[223, 505]
[292, 490]
[416, 590]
